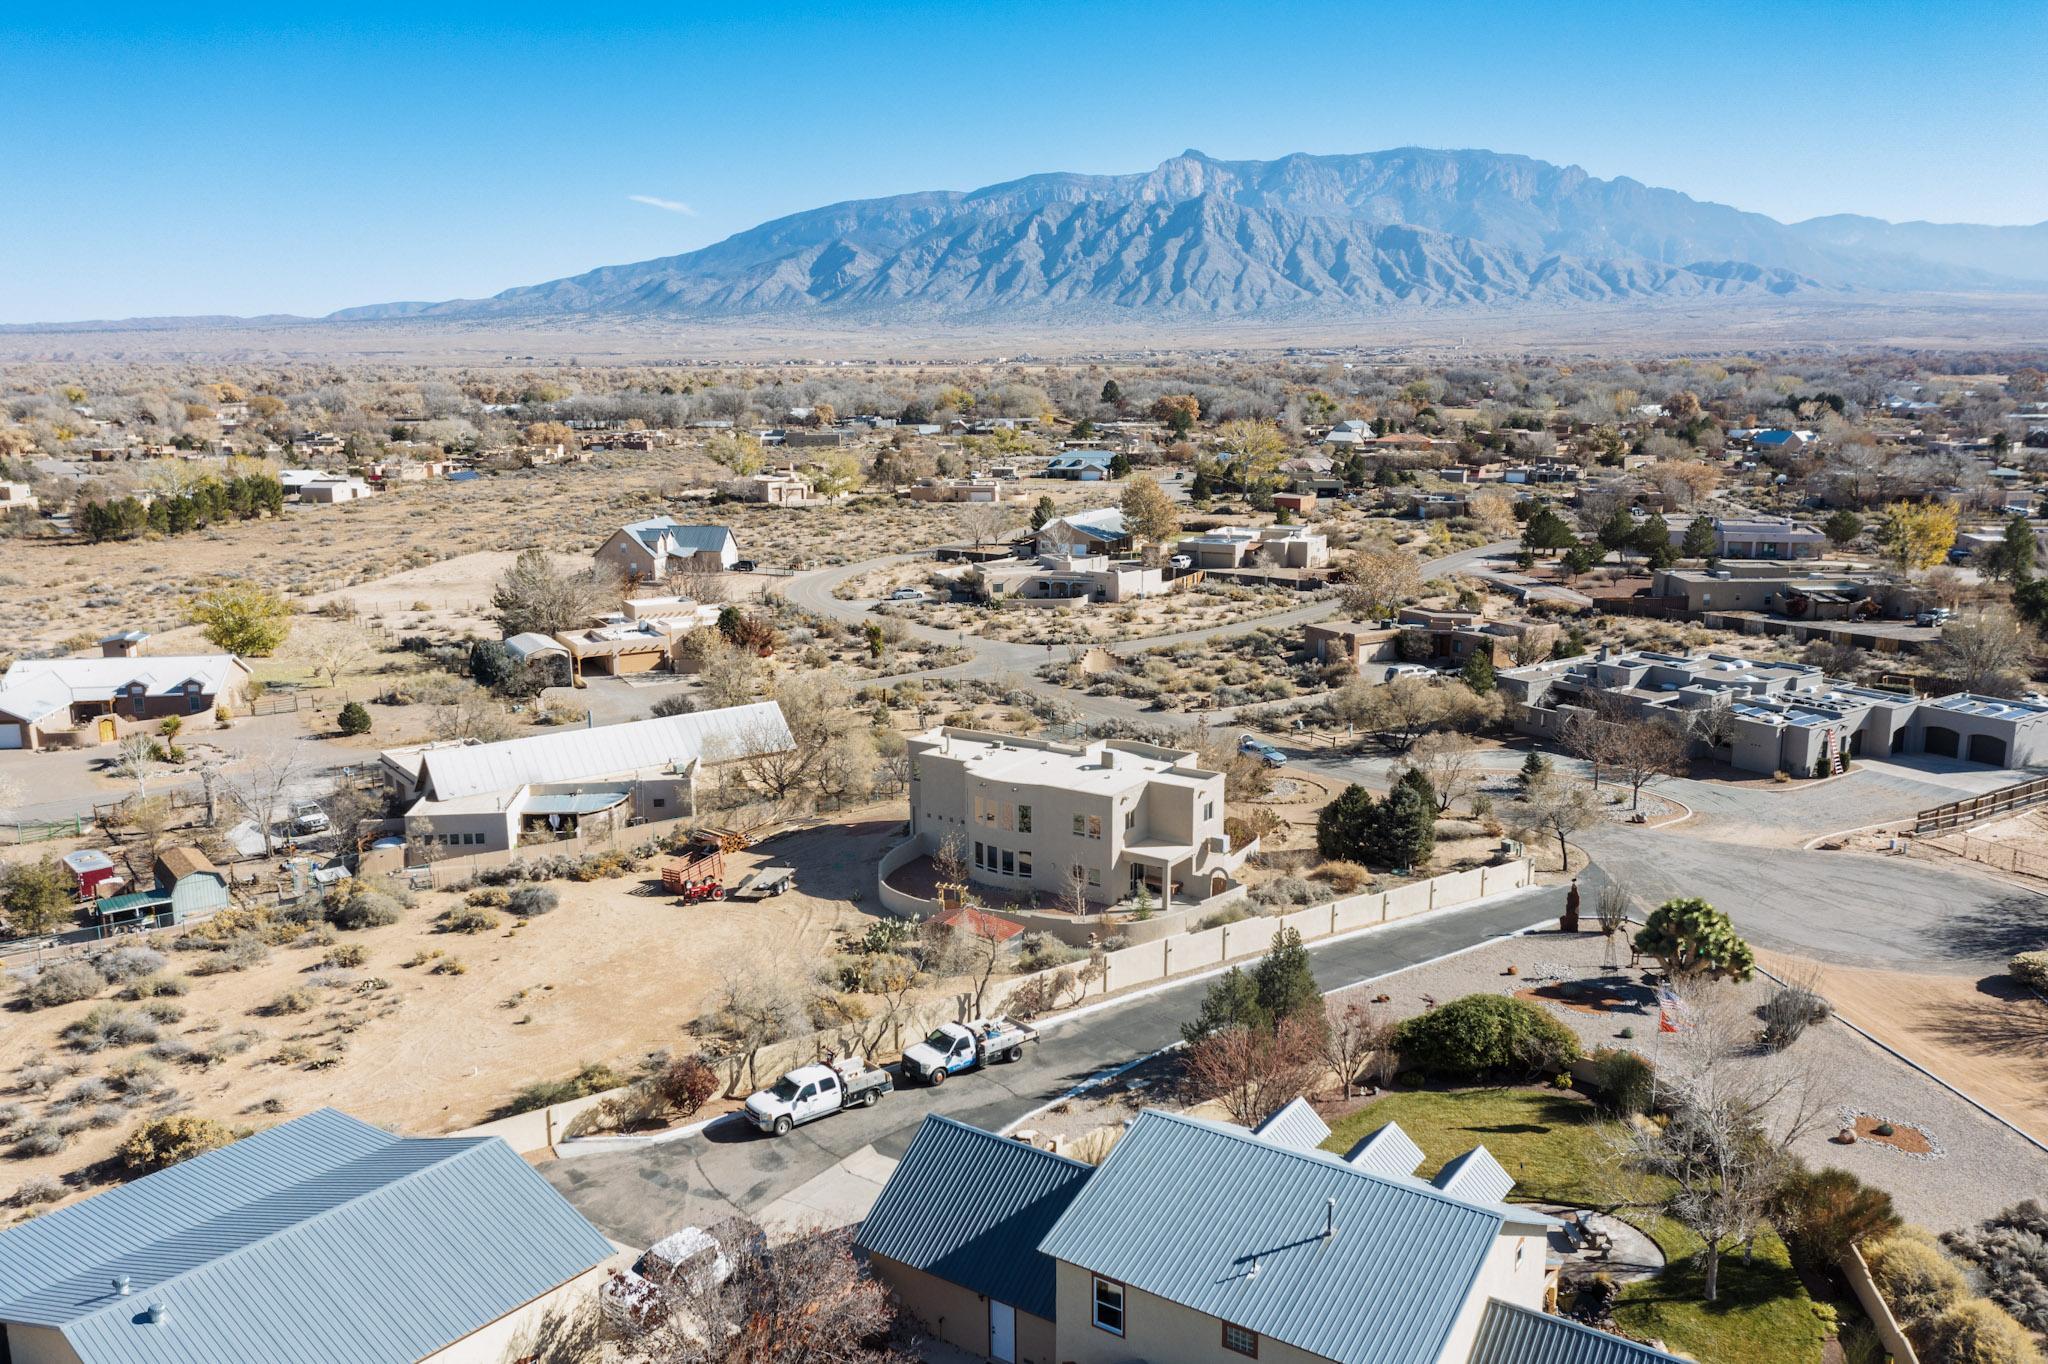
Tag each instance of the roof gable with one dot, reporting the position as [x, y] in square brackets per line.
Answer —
[1294, 1124]
[970, 1207]
[1218, 1220]
[1516, 1335]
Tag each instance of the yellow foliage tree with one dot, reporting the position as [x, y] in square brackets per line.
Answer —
[1917, 535]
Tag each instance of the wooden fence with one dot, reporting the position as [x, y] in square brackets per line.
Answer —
[1960, 814]
[1992, 853]
[42, 831]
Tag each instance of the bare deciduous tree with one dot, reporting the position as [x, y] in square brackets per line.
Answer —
[1451, 762]
[984, 522]
[257, 784]
[1357, 1043]
[756, 1005]
[1988, 651]
[1376, 580]
[1643, 751]
[335, 651]
[137, 759]
[1554, 808]
[1252, 1071]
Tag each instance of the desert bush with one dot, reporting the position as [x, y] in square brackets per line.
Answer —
[228, 1044]
[2008, 1256]
[685, 1085]
[136, 1075]
[450, 966]
[1287, 891]
[163, 1011]
[236, 954]
[2030, 969]
[40, 1138]
[1789, 1012]
[358, 907]
[37, 1189]
[91, 1090]
[345, 955]
[1975, 1331]
[1040, 951]
[65, 983]
[1916, 1279]
[110, 1025]
[152, 986]
[1479, 1034]
[174, 1049]
[1821, 1213]
[487, 897]
[594, 1078]
[527, 901]
[1237, 911]
[39, 1077]
[1345, 878]
[163, 1142]
[12, 1115]
[125, 964]
[297, 1001]
[468, 919]
[1625, 1082]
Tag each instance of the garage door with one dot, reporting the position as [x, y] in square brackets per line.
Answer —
[1987, 748]
[11, 736]
[1939, 740]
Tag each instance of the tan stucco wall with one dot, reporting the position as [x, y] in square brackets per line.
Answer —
[959, 1317]
[509, 1336]
[39, 1345]
[1513, 1272]
[1154, 1329]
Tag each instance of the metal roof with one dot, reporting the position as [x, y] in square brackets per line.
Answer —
[1475, 1175]
[1294, 1124]
[1517, 1335]
[578, 754]
[970, 1207]
[1385, 1151]
[1211, 1217]
[572, 802]
[286, 1244]
[681, 538]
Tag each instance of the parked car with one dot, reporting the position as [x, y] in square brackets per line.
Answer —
[308, 818]
[742, 565]
[1181, 563]
[818, 1091]
[907, 594]
[1263, 751]
[1938, 616]
[1408, 670]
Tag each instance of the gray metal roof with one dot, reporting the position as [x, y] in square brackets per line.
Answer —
[319, 1240]
[1386, 1151]
[1294, 1124]
[1516, 1335]
[1209, 1216]
[608, 750]
[1476, 1176]
[970, 1207]
[681, 538]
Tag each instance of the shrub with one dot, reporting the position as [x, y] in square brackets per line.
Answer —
[12, 1116]
[65, 983]
[2030, 969]
[354, 719]
[1042, 951]
[152, 986]
[594, 1078]
[1234, 912]
[2009, 1255]
[1916, 1279]
[136, 1075]
[37, 1189]
[1821, 1213]
[527, 901]
[237, 954]
[487, 897]
[163, 1142]
[358, 907]
[468, 919]
[1788, 1013]
[450, 966]
[1625, 1081]
[110, 1025]
[1975, 1331]
[292, 1002]
[42, 1138]
[345, 955]
[1483, 1033]
[125, 964]
[684, 1086]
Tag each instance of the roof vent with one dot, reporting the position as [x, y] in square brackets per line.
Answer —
[1253, 1272]
[155, 1313]
[1329, 1218]
[121, 1284]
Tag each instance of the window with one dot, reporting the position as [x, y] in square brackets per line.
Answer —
[1208, 810]
[1009, 863]
[1094, 877]
[1023, 819]
[660, 802]
[1239, 1341]
[1131, 818]
[1109, 1306]
[1023, 864]
[914, 769]
[1080, 826]
[1080, 872]
[1095, 826]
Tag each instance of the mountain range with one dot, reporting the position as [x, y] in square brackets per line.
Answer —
[1304, 235]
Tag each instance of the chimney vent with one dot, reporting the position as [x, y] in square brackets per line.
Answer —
[121, 1284]
[1329, 1218]
[155, 1312]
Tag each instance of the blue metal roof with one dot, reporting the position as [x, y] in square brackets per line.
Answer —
[572, 802]
[1294, 1124]
[970, 1207]
[1209, 1216]
[1516, 1335]
[285, 1244]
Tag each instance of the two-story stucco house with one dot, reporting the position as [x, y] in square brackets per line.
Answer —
[1030, 815]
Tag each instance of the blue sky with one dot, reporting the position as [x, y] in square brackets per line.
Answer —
[241, 161]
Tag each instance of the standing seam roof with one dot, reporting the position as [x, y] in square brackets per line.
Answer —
[319, 1241]
[474, 769]
[1184, 1209]
[1516, 1335]
[970, 1207]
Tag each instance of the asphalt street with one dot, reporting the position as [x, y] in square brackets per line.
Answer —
[639, 1195]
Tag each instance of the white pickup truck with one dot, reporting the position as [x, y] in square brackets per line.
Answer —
[814, 1091]
[954, 1047]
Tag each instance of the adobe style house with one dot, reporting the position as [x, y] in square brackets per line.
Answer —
[774, 488]
[955, 490]
[16, 497]
[1114, 815]
[321, 1238]
[1207, 1243]
[1775, 717]
[79, 702]
[1066, 577]
[573, 784]
[651, 550]
[1755, 537]
[645, 635]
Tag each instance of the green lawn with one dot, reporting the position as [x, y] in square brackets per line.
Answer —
[1557, 1148]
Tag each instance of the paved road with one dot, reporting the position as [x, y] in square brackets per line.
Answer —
[640, 1195]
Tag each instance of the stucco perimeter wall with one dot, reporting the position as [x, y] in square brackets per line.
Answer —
[1148, 962]
[901, 903]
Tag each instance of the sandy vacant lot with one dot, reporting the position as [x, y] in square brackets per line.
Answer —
[616, 972]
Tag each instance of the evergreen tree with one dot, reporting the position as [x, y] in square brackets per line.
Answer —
[1699, 538]
[1407, 824]
[1111, 393]
[1232, 1002]
[354, 719]
[2013, 558]
[1344, 828]
[1652, 539]
[1285, 981]
[1582, 558]
[1618, 530]
[1120, 466]
[1535, 768]
[1842, 527]
[1043, 512]
[1478, 671]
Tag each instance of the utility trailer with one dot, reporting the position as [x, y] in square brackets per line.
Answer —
[698, 874]
[765, 883]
